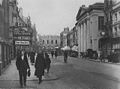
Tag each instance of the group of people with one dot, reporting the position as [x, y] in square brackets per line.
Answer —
[54, 53]
[42, 62]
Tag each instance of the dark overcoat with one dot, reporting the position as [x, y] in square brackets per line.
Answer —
[39, 65]
[56, 54]
[47, 61]
[22, 65]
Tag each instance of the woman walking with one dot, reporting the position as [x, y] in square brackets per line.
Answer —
[39, 66]
[22, 66]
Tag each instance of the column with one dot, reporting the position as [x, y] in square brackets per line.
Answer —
[88, 33]
[84, 36]
[81, 37]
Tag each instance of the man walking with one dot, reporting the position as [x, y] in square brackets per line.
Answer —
[22, 66]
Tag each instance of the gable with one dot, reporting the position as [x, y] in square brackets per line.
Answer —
[81, 12]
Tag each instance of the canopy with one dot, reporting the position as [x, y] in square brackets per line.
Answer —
[65, 48]
[56, 47]
[75, 48]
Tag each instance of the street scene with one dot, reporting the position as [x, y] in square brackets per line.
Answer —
[59, 44]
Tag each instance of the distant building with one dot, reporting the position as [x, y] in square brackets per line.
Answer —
[72, 37]
[49, 42]
[63, 37]
[90, 21]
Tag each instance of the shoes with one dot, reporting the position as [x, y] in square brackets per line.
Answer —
[40, 81]
[25, 84]
[21, 86]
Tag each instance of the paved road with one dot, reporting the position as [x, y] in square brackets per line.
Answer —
[76, 74]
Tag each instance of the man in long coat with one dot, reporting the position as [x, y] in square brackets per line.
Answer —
[39, 66]
[22, 66]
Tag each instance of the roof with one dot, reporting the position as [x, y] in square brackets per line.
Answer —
[83, 10]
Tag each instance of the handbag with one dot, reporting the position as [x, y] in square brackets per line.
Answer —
[28, 73]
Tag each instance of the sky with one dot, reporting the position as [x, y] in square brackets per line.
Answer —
[52, 16]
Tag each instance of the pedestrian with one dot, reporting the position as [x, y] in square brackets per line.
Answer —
[65, 56]
[39, 66]
[47, 62]
[22, 66]
[32, 57]
[52, 53]
[56, 54]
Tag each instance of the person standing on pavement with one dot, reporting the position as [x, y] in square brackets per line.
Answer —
[52, 53]
[65, 56]
[56, 54]
[22, 66]
[32, 57]
[39, 66]
[47, 62]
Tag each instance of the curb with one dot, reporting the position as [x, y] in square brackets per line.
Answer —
[104, 62]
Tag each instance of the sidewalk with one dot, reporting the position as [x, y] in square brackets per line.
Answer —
[11, 73]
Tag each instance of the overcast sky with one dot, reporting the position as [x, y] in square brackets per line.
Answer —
[51, 16]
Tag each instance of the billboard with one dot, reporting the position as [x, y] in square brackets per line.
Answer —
[22, 37]
[22, 42]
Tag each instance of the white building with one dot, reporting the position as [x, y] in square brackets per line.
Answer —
[63, 37]
[50, 41]
[116, 25]
[89, 23]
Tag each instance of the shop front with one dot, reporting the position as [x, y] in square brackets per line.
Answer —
[5, 55]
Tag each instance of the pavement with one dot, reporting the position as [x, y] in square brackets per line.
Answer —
[76, 74]
[11, 73]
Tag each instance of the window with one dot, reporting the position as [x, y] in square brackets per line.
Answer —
[100, 22]
[43, 41]
[47, 41]
[56, 41]
[115, 16]
[115, 30]
[51, 41]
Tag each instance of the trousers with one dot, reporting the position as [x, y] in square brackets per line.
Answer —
[22, 78]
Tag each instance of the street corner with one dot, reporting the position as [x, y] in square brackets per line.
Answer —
[50, 77]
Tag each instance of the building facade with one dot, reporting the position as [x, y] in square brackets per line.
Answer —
[89, 26]
[63, 37]
[5, 45]
[49, 42]
[72, 37]
[116, 26]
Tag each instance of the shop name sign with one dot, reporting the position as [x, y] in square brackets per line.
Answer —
[22, 43]
[21, 33]
[22, 38]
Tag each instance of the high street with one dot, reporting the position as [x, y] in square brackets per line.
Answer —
[76, 74]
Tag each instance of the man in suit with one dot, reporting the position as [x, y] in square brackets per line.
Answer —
[22, 66]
